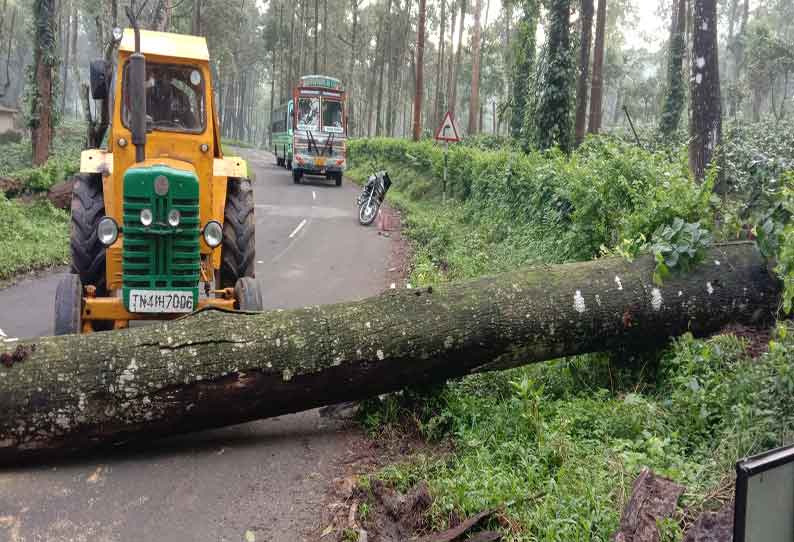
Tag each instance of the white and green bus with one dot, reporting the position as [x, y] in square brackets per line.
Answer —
[309, 132]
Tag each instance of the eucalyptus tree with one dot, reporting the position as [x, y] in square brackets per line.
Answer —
[597, 89]
[705, 123]
[552, 117]
[523, 54]
[584, 70]
[674, 101]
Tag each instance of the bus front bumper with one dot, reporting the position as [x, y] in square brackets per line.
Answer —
[320, 165]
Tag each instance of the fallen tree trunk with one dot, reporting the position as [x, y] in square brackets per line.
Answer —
[60, 394]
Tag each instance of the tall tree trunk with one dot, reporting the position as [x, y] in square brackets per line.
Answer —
[69, 393]
[420, 68]
[195, 18]
[584, 70]
[507, 58]
[482, 52]
[302, 39]
[453, 97]
[385, 24]
[705, 126]
[272, 99]
[674, 102]
[352, 69]
[442, 39]
[553, 118]
[597, 89]
[291, 61]
[11, 26]
[474, 101]
[316, 67]
[523, 53]
[67, 43]
[44, 63]
[450, 77]
[325, 36]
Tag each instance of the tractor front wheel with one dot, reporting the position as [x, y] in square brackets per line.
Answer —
[69, 305]
[88, 254]
[239, 248]
[248, 295]
[296, 176]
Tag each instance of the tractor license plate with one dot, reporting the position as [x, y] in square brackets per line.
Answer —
[160, 301]
[319, 162]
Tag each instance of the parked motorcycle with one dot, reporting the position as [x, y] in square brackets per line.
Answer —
[371, 197]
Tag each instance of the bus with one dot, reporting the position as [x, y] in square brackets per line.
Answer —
[309, 132]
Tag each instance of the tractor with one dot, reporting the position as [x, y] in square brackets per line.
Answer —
[162, 223]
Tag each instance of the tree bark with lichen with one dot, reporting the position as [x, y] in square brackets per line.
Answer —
[69, 393]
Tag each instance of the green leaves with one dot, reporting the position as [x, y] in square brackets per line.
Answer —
[678, 246]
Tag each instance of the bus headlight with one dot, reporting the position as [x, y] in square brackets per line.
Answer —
[146, 217]
[107, 231]
[213, 233]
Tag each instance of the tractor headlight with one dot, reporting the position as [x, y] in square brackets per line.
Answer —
[117, 33]
[213, 233]
[107, 231]
[146, 217]
[173, 218]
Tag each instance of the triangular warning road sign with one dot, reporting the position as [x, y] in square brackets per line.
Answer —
[448, 131]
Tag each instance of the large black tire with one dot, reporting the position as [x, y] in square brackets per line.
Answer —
[296, 176]
[248, 295]
[338, 178]
[69, 305]
[88, 254]
[239, 239]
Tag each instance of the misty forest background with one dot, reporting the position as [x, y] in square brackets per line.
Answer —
[538, 71]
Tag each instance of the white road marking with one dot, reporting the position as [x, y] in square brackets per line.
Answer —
[314, 195]
[296, 230]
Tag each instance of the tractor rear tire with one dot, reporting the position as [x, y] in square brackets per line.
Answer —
[88, 208]
[69, 305]
[338, 178]
[248, 295]
[239, 239]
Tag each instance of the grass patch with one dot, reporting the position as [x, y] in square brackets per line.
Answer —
[561, 442]
[16, 158]
[32, 235]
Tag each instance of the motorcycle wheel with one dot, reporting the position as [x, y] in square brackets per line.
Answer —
[367, 212]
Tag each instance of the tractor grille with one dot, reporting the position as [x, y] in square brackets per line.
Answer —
[160, 256]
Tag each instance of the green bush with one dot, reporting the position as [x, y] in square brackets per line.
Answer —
[561, 447]
[561, 442]
[10, 137]
[15, 159]
[605, 192]
[32, 235]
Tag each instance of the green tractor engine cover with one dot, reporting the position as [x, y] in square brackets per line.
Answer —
[161, 238]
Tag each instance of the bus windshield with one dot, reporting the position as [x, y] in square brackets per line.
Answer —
[308, 113]
[333, 118]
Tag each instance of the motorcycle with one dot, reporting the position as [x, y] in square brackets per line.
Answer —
[371, 197]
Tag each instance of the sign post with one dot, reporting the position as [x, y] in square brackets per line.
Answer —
[448, 133]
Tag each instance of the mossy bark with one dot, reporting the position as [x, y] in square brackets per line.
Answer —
[211, 369]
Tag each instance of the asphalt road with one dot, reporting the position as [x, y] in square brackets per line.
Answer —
[266, 478]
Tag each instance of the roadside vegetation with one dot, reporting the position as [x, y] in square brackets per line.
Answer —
[33, 233]
[560, 443]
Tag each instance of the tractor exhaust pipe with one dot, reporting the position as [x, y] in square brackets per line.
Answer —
[137, 87]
